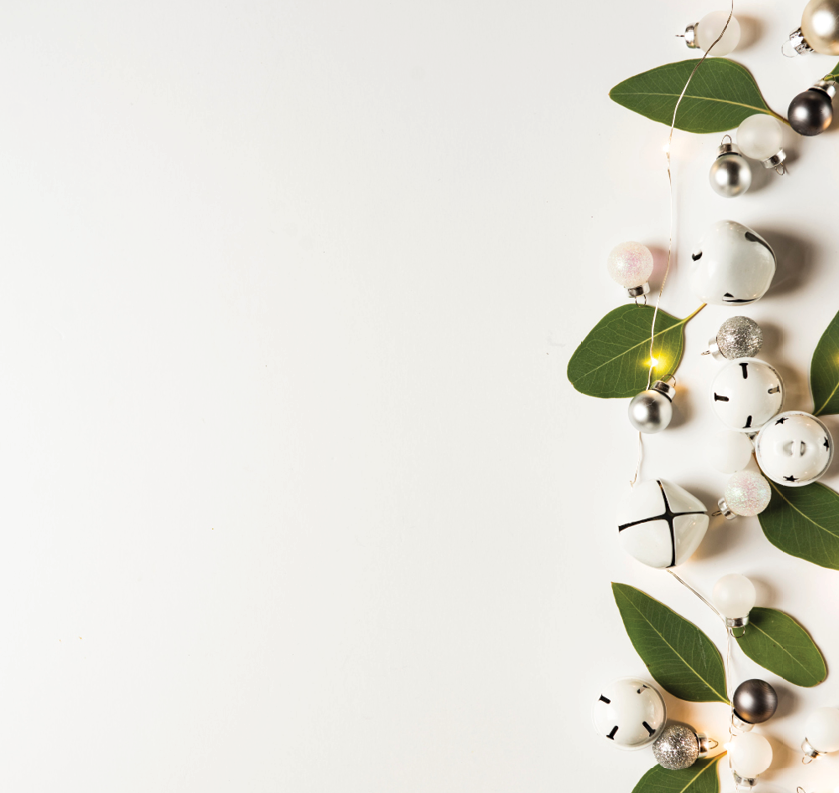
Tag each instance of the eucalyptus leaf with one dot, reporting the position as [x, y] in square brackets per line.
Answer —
[778, 643]
[720, 96]
[824, 371]
[613, 361]
[701, 777]
[804, 522]
[834, 75]
[680, 657]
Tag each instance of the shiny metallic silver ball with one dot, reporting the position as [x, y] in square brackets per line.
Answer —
[754, 701]
[676, 748]
[739, 337]
[811, 112]
[730, 175]
[650, 411]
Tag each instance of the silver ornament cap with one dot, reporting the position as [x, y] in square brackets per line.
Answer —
[679, 747]
[797, 41]
[730, 174]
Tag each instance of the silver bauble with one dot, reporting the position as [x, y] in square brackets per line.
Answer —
[739, 337]
[651, 411]
[677, 747]
[730, 174]
[754, 701]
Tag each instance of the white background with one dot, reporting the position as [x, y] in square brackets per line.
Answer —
[296, 495]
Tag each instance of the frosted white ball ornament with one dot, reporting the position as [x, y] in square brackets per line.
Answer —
[660, 524]
[794, 449]
[734, 597]
[704, 33]
[747, 494]
[821, 733]
[729, 451]
[731, 265]
[751, 755]
[630, 264]
[761, 137]
[630, 713]
[746, 393]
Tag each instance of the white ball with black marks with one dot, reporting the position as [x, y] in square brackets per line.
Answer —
[660, 524]
[746, 393]
[732, 265]
[795, 449]
[630, 713]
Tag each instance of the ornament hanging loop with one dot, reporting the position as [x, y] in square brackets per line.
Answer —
[638, 299]
[806, 760]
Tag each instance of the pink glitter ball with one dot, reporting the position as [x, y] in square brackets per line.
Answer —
[747, 493]
[630, 264]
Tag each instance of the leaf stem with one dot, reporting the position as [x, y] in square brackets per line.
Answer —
[691, 316]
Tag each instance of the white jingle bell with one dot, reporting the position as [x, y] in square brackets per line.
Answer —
[795, 449]
[661, 524]
[630, 713]
[746, 393]
[732, 265]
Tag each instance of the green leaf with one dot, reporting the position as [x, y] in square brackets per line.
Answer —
[804, 522]
[701, 777]
[614, 359]
[720, 96]
[824, 371]
[778, 643]
[834, 75]
[679, 656]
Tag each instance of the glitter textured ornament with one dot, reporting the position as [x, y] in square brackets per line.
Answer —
[630, 264]
[679, 747]
[747, 493]
[738, 337]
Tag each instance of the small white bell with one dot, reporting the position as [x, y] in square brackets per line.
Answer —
[630, 713]
[746, 393]
[795, 449]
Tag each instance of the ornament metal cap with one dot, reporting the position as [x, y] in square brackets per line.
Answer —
[825, 86]
[725, 510]
[797, 41]
[810, 752]
[776, 161]
[664, 388]
[727, 148]
[713, 348]
[743, 783]
[706, 744]
[638, 291]
[743, 726]
[690, 36]
[737, 625]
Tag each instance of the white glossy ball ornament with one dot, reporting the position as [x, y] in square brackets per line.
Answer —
[729, 451]
[821, 732]
[794, 449]
[705, 32]
[731, 265]
[630, 713]
[747, 494]
[761, 137]
[750, 754]
[661, 524]
[630, 264]
[746, 393]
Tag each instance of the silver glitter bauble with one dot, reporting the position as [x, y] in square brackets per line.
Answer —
[677, 747]
[730, 174]
[651, 411]
[738, 337]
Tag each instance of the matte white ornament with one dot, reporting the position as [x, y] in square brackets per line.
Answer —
[661, 524]
[761, 137]
[630, 713]
[709, 28]
[750, 754]
[746, 393]
[821, 732]
[794, 449]
[729, 451]
[734, 596]
[732, 265]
